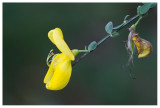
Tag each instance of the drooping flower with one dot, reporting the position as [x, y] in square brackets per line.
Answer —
[60, 69]
[143, 46]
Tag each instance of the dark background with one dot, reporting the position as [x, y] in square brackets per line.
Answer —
[99, 78]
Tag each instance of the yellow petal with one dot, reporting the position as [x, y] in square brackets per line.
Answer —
[57, 31]
[146, 50]
[61, 75]
[56, 36]
[52, 67]
[144, 47]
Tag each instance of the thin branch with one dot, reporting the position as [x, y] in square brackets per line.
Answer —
[105, 38]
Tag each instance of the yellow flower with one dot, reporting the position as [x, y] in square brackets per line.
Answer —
[60, 69]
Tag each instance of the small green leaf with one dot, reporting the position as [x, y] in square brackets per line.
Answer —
[109, 27]
[138, 10]
[153, 5]
[145, 8]
[92, 46]
[115, 34]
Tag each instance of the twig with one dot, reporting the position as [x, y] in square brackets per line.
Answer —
[105, 38]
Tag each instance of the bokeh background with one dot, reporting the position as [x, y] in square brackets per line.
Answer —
[99, 79]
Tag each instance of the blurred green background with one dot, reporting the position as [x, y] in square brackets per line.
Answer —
[99, 79]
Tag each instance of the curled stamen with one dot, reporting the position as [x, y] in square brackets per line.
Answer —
[51, 52]
[49, 57]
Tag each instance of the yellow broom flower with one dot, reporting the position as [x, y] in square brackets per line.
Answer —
[60, 69]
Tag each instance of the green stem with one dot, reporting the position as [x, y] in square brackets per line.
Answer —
[102, 40]
[105, 38]
[138, 21]
[135, 25]
[83, 50]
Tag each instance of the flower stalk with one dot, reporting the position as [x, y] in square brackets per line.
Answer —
[60, 67]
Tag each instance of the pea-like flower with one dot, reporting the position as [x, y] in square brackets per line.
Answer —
[144, 47]
[60, 69]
